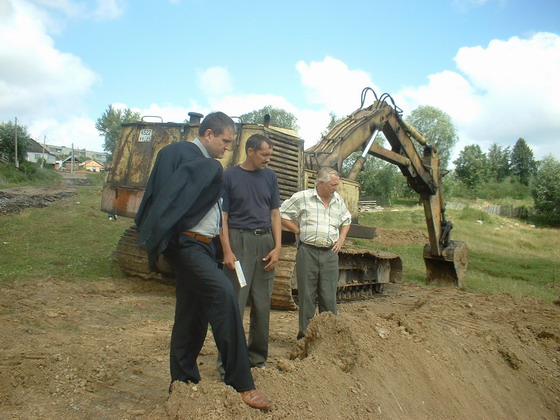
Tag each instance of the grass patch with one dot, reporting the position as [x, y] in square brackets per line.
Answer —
[29, 173]
[71, 239]
[506, 255]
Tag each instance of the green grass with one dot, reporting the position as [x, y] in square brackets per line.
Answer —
[505, 255]
[28, 174]
[71, 239]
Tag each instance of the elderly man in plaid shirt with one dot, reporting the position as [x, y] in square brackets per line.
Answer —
[321, 219]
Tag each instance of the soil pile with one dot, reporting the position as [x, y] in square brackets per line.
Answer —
[401, 237]
[100, 350]
[15, 200]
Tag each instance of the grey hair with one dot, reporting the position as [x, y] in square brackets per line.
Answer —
[324, 175]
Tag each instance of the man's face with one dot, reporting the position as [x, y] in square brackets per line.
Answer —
[326, 189]
[217, 145]
[261, 158]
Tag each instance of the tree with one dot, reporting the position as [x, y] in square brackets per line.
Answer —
[546, 190]
[334, 120]
[109, 124]
[278, 117]
[523, 163]
[471, 167]
[499, 162]
[438, 128]
[7, 141]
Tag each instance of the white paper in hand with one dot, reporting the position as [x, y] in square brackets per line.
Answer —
[240, 275]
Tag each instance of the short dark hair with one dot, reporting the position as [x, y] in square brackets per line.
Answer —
[218, 122]
[255, 142]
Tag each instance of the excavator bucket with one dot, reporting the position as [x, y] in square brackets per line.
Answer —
[449, 268]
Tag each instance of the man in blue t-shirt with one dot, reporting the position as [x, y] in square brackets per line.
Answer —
[252, 235]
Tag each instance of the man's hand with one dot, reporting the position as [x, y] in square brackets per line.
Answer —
[272, 258]
[337, 246]
[229, 260]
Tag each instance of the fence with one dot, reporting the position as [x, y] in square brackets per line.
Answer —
[509, 210]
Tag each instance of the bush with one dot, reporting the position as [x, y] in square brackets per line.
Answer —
[29, 173]
[546, 191]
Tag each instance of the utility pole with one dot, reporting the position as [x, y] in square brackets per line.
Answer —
[43, 158]
[72, 161]
[15, 142]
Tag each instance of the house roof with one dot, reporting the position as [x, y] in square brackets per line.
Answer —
[35, 147]
[92, 162]
[69, 158]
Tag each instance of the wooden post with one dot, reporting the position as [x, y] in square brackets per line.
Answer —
[15, 142]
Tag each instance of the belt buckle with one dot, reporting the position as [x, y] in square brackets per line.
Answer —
[259, 232]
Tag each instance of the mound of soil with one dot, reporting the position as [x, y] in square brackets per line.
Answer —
[401, 237]
[100, 350]
[14, 201]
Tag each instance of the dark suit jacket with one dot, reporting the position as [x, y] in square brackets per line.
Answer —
[182, 188]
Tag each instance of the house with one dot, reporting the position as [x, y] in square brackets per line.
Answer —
[81, 154]
[68, 164]
[36, 153]
[92, 165]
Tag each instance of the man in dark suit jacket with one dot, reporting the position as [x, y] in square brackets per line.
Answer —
[180, 216]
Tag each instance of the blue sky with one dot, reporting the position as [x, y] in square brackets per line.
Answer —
[492, 65]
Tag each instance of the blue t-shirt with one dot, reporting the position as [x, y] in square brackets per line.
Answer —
[249, 196]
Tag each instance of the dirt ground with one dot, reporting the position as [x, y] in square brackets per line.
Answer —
[100, 351]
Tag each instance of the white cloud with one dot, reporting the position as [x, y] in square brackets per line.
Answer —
[504, 91]
[109, 9]
[100, 9]
[215, 81]
[37, 81]
[332, 85]
[241, 104]
[77, 131]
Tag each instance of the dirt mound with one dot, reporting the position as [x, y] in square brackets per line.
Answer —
[15, 200]
[425, 355]
[100, 350]
[401, 237]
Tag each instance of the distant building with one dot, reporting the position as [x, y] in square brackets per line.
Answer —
[36, 153]
[82, 154]
[68, 164]
[92, 166]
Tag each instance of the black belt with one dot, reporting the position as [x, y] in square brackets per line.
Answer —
[320, 248]
[257, 232]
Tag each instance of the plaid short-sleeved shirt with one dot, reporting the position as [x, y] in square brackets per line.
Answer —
[319, 225]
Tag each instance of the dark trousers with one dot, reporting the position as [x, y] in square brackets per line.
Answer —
[205, 296]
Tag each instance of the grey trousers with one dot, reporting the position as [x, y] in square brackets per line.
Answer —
[317, 280]
[250, 249]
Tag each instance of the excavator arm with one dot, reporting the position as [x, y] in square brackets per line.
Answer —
[445, 260]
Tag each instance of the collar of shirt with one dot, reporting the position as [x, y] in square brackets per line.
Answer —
[202, 148]
[333, 199]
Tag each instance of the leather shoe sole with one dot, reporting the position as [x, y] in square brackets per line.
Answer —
[255, 399]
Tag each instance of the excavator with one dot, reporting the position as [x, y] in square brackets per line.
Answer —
[445, 260]
[363, 273]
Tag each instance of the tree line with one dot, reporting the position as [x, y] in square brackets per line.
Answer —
[500, 172]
